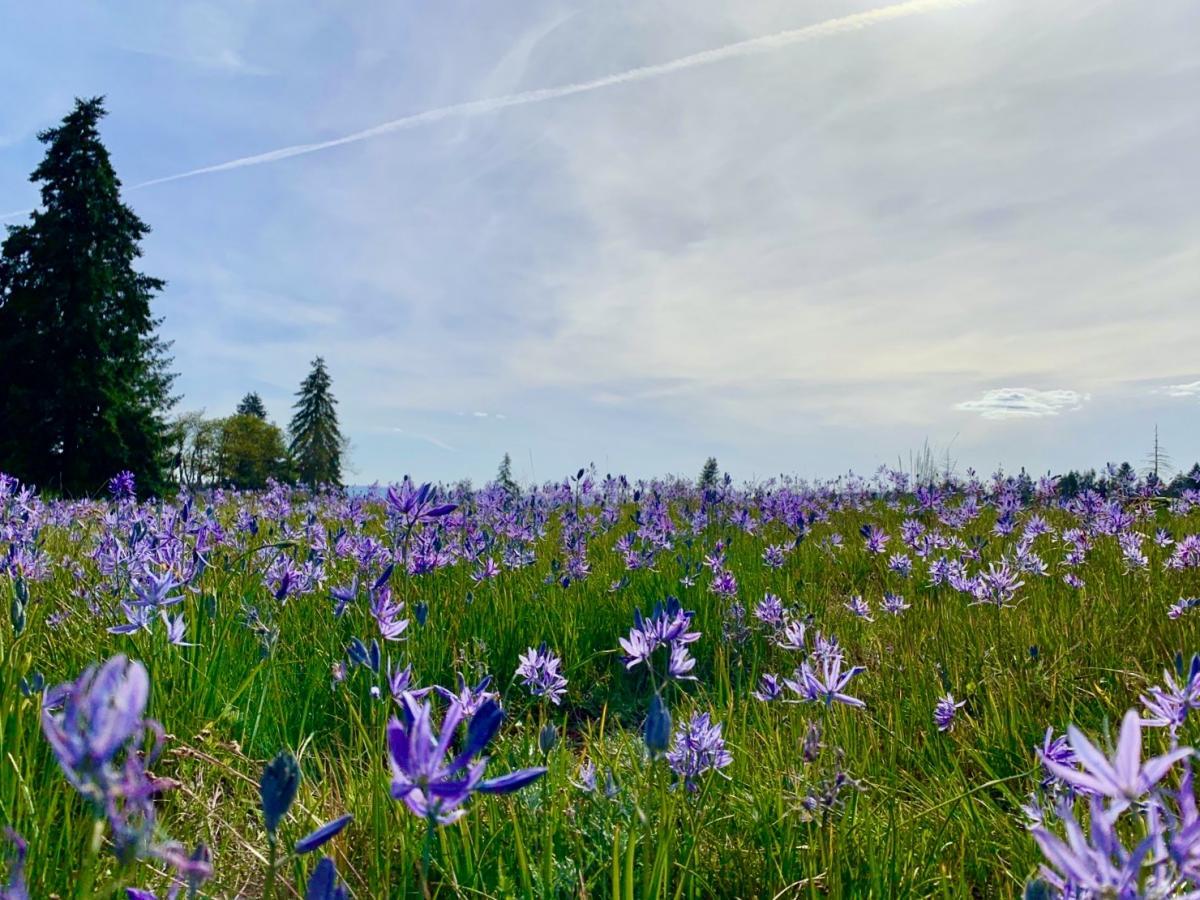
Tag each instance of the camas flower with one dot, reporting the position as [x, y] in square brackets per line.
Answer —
[769, 688]
[698, 748]
[826, 684]
[945, 710]
[792, 635]
[894, 604]
[1099, 867]
[770, 610]
[1124, 779]
[101, 718]
[432, 783]
[859, 607]
[538, 670]
[668, 627]
[470, 699]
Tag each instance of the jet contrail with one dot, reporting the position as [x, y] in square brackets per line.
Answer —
[762, 44]
[855, 22]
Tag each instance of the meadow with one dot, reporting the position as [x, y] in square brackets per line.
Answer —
[277, 634]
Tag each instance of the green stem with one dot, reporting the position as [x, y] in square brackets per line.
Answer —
[87, 876]
[269, 885]
[427, 856]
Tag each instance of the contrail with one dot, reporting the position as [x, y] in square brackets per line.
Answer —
[781, 39]
[748, 47]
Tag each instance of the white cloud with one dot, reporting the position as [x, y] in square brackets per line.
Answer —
[1021, 403]
[1190, 389]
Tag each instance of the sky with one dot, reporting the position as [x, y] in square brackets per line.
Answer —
[804, 237]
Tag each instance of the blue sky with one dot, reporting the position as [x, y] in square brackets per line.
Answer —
[976, 224]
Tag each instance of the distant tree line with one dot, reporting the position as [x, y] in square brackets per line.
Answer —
[85, 381]
[247, 451]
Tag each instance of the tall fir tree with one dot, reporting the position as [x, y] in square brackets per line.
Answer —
[84, 380]
[317, 443]
[252, 405]
[504, 476]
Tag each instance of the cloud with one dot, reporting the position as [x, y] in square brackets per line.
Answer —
[764, 43]
[1190, 389]
[1023, 403]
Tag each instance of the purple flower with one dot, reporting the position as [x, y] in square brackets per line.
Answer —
[15, 888]
[1168, 706]
[538, 669]
[998, 585]
[894, 604]
[343, 597]
[432, 784]
[323, 884]
[487, 572]
[176, 628]
[469, 699]
[1099, 867]
[154, 591]
[859, 607]
[122, 486]
[102, 716]
[1123, 779]
[769, 688]
[770, 610]
[387, 614]
[901, 564]
[667, 627]
[945, 710]
[322, 835]
[827, 684]
[874, 538]
[698, 748]
[792, 635]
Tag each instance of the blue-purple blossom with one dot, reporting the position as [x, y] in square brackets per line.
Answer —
[769, 688]
[320, 836]
[827, 683]
[698, 748]
[945, 711]
[1123, 779]
[469, 698]
[667, 627]
[431, 781]
[324, 884]
[15, 888]
[894, 604]
[1099, 867]
[859, 607]
[539, 670]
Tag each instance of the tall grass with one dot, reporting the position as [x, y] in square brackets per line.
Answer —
[932, 814]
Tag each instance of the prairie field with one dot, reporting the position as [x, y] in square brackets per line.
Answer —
[305, 622]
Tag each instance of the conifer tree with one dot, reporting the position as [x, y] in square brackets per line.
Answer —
[252, 405]
[504, 476]
[84, 380]
[709, 474]
[317, 443]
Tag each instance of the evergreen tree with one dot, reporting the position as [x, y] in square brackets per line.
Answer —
[252, 405]
[317, 442]
[504, 476]
[84, 381]
[709, 475]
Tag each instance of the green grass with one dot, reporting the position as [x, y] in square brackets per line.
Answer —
[935, 815]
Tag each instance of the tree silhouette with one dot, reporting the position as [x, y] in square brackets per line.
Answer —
[317, 443]
[84, 380]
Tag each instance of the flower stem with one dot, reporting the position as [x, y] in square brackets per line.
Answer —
[269, 885]
[427, 856]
